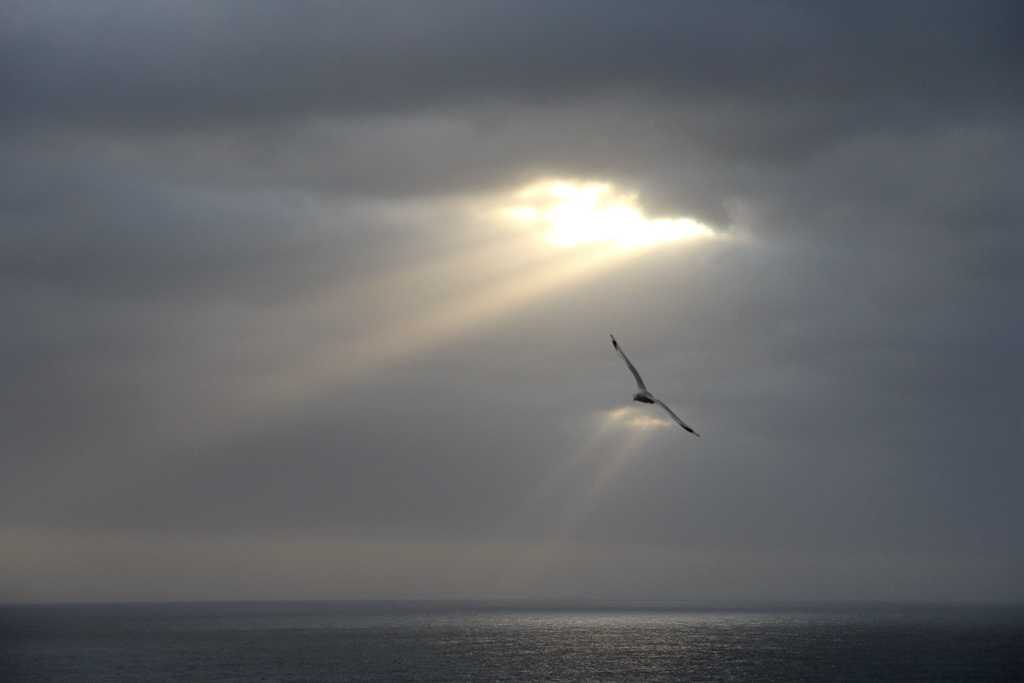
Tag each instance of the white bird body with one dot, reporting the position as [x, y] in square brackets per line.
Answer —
[643, 395]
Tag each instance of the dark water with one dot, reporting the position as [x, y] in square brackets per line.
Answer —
[451, 642]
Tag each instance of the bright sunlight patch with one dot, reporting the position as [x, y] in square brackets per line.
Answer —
[573, 213]
[628, 416]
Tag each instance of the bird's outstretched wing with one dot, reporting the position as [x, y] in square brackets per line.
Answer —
[676, 417]
[636, 375]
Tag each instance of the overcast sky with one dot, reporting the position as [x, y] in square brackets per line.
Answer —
[268, 335]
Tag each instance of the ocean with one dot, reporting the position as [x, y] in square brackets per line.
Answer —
[436, 641]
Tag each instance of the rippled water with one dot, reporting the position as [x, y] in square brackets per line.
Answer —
[450, 642]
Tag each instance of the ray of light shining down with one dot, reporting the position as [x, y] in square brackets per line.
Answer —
[576, 483]
[596, 467]
[570, 204]
[512, 274]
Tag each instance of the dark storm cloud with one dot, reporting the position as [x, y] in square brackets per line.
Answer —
[169, 64]
[533, 87]
[195, 197]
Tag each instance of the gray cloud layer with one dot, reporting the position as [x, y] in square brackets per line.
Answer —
[208, 209]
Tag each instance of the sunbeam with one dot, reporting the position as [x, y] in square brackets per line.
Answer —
[363, 327]
[599, 479]
[579, 481]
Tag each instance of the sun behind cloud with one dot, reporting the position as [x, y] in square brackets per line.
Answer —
[574, 213]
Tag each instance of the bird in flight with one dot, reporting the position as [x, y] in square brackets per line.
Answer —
[643, 395]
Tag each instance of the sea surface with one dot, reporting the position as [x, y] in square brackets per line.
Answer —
[395, 641]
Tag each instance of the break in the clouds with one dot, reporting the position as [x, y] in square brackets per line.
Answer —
[267, 334]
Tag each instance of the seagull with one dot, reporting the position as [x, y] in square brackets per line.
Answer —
[643, 395]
